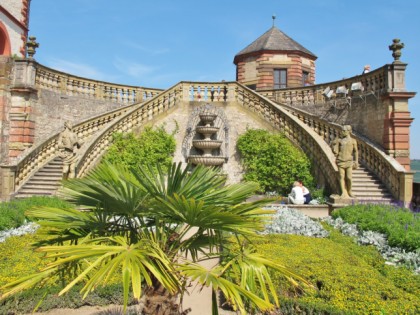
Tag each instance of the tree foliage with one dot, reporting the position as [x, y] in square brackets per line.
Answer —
[152, 229]
[151, 147]
[273, 161]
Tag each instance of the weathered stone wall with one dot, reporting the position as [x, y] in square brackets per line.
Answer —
[53, 109]
[5, 70]
[365, 115]
[239, 119]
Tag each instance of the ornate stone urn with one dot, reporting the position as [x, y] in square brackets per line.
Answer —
[210, 147]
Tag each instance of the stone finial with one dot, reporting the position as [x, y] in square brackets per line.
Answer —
[396, 49]
[32, 45]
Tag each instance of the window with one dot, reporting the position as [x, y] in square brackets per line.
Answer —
[280, 78]
[252, 86]
[305, 78]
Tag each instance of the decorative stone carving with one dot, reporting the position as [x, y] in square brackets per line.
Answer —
[68, 145]
[32, 45]
[202, 123]
[345, 151]
[396, 49]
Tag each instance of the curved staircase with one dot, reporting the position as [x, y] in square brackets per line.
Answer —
[45, 182]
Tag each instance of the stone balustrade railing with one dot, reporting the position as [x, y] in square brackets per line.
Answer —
[307, 139]
[60, 82]
[126, 123]
[388, 170]
[39, 155]
[208, 91]
[374, 82]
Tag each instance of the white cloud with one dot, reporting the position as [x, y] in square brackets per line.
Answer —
[134, 69]
[79, 69]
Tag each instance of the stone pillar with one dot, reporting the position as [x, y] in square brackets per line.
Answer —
[406, 188]
[7, 182]
[23, 98]
[396, 136]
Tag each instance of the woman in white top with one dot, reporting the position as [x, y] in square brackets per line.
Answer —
[296, 195]
[306, 194]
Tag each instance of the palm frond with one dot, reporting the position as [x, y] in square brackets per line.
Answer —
[233, 292]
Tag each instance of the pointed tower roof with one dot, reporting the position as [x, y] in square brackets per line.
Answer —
[274, 40]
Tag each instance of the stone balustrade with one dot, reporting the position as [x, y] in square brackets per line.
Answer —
[388, 170]
[293, 122]
[374, 82]
[207, 91]
[40, 154]
[71, 85]
[126, 123]
[307, 139]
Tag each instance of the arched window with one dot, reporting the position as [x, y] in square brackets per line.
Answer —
[4, 41]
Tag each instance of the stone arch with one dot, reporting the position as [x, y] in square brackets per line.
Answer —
[5, 48]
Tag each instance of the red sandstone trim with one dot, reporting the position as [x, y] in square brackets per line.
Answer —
[13, 19]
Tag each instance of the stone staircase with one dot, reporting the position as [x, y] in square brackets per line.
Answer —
[45, 182]
[367, 188]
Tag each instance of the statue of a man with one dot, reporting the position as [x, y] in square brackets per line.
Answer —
[345, 151]
[68, 143]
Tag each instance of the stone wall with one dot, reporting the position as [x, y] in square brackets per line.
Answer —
[366, 115]
[239, 119]
[5, 70]
[53, 109]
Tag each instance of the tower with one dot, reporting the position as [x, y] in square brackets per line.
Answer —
[275, 61]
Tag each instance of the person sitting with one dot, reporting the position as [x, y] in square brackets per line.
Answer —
[306, 193]
[296, 195]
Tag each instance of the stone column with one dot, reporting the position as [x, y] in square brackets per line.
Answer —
[7, 182]
[406, 188]
[396, 137]
[23, 97]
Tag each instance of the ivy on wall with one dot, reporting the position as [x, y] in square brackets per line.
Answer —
[273, 161]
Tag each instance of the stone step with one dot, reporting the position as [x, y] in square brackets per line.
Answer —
[49, 177]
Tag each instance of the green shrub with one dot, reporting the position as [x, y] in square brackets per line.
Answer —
[401, 226]
[273, 161]
[12, 214]
[151, 147]
[350, 279]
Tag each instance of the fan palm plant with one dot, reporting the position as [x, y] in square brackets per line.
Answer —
[154, 229]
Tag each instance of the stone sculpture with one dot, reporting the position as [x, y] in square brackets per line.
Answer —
[345, 151]
[68, 143]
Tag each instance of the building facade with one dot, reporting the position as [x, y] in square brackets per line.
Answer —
[14, 21]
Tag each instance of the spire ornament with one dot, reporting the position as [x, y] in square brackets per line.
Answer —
[32, 45]
[396, 49]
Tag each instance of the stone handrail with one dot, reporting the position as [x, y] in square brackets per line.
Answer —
[374, 82]
[388, 170]
[60, 82]
[135, 118]
[294, 129]
[208, 91]
[307, 139]
[40, 154]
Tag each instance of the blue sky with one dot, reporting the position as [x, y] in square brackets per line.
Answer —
[159, 43]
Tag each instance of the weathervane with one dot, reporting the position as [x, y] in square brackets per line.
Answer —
[274, 18]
